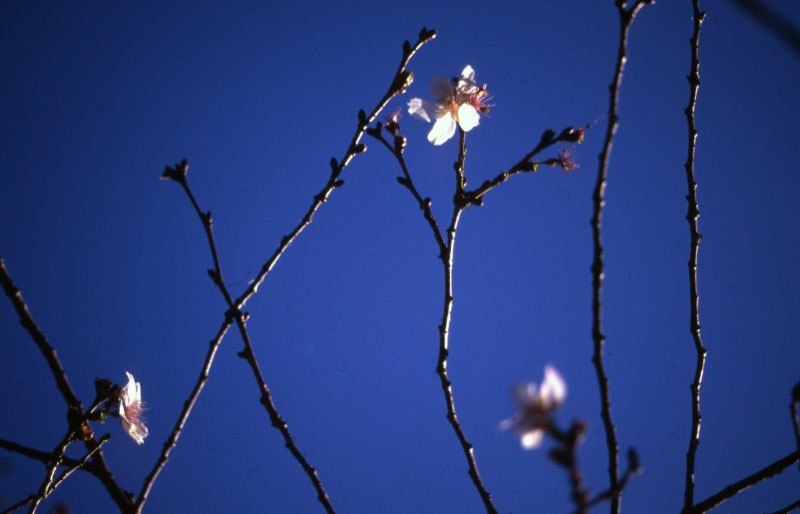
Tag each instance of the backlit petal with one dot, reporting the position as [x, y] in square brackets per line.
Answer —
[442, 130]
[468, 117]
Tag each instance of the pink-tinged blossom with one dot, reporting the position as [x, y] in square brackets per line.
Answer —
[457, 102]
[535, 407]
[131, 408]
[566, 160]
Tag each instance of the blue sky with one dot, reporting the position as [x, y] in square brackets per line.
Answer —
[97, 98]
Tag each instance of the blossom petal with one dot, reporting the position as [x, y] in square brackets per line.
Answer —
[468, 73]
[422, 109]
[553, 389]
[532, 439]
[468, 117]
[442, 130]
[441, 89]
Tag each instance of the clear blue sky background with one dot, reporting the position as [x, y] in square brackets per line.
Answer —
[96, 99]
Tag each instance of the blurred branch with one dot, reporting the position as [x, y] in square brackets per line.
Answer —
[773, 21]
[692, 213]
[737, 487]
[98, 464]
[626, 18]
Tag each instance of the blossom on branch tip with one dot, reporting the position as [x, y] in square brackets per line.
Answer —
[458, 101]
[131, 408]
[535, 407]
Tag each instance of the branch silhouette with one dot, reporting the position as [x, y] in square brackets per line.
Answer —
[74, 408]
[626, 18]
[773, 21]
[399, 83]
[735, 488]
[692, 213]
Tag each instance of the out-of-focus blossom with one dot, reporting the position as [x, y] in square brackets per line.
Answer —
[566, 159]
[535, 407]
[131, 408]
[457, 102]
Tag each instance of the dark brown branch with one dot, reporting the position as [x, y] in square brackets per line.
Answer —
[408, 183]
[266, 397]
[773, 21]
[48, 352]
[735, 488]
[399, 83]
[33, 453]
[525, 165]
[73, 465]
[626, 18]
[188, 405]
[692, 213]
[444, 328]
[401, 80]
[98, 463]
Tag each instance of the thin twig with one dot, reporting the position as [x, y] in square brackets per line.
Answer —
[188, 405]
[179, 175]
[626, 18]
[398, 85]
[735, 488]
[401, 80]
[444, 328]
[692, 213]
[525, 165]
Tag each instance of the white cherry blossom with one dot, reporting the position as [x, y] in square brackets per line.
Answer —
[131, 408]
[535, 407]
[457, 102]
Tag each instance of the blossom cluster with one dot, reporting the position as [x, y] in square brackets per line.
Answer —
[458, 101]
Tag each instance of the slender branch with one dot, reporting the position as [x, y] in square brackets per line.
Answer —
[626, 18]
[525, 165]
[98, 463]
[444, 328]
[408, 183]
[179, 175]
[401, 80]
[735, 488]
[73, 464]
[188, 405]
[399, 83]
[692, 213]
[48, 352]
[33, 453]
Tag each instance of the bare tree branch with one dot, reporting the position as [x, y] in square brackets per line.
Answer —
[692, 213]
[626, 18]
[735, 488]
[400, 81]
